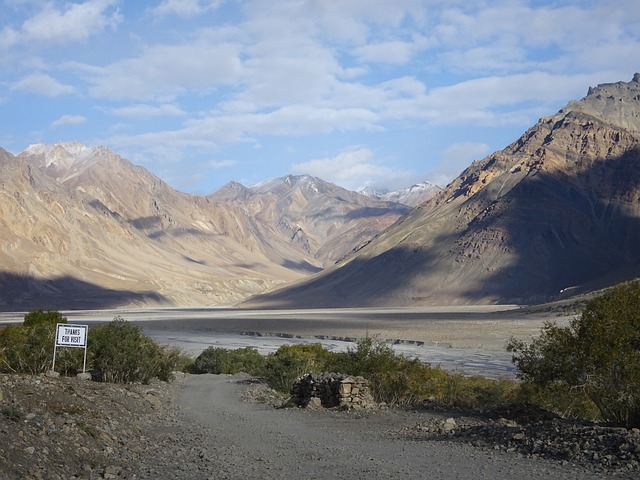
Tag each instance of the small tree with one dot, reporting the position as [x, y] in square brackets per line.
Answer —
[219, 360]
[43, 317]
[599, 353]
[283, 367]
[121, 354]
[28, 348]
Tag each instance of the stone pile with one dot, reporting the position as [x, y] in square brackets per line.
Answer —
[330, 390]
[602, 448]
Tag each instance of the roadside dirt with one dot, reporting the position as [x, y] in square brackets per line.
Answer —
[222, 427]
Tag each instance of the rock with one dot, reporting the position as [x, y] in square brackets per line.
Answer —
[506, 422]
[519, 437]
[153, 400]
[449, 425]
[52, 374]
[84, 377]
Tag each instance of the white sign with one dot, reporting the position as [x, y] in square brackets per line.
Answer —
[71, 335]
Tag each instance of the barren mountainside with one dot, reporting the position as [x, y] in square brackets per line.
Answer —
[84, 228]
[555, 212]
[320, 218]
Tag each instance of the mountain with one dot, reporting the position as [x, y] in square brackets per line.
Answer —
[83, 227]
[320, 218]
[555, 212]
[411, 196]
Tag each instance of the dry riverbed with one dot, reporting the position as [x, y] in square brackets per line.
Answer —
[470, 339]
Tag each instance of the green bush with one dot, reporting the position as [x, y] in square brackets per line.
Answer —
[28, 348]
[221, 360]
[394, 379]
[598, 355]
[119, 353]
[290, 362]
[477, 392]
[558, 397]
[43, 317]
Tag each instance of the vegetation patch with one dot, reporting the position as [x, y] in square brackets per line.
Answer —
[587, 370]
[590, 368]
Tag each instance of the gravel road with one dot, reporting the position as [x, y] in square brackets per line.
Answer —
[243, 440]
[227, 427]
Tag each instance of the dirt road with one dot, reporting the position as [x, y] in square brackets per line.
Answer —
[256, 441]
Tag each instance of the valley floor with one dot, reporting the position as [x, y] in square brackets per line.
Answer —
[470, 339]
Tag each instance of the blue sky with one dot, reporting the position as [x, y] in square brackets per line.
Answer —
[362, 93]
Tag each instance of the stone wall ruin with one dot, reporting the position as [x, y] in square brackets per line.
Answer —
[331, 390]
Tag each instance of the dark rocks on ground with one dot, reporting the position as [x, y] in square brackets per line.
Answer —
[603, 449]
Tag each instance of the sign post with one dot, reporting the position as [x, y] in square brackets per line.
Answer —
[74, 336]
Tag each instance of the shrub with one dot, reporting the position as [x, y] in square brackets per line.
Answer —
[477, 392]
[566, 401]
[394, 379]
[43, 317]
[598, 354]
[221, 360]
[121, 354]
[28, 348]
[290, 362]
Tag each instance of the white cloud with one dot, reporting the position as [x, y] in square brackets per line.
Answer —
[395, 51]
[297, 120]
[185, 8]
[462, 154]
[490, 101]
[148, 111]
[217, 164]
[167, 70]
[211, 77]
[353, 168]
[8, 38]
[42, 84]
[68, 120]
[455, 158]
[77, 21]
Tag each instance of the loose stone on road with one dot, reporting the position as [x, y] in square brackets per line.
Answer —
[251, 440]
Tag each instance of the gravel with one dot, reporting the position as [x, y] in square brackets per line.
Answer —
[231, 427]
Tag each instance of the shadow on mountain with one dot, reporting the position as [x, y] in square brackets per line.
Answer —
[302, 266]
[551, 233]
[193, 260]
[367, 212]
[153, 226]
[23, 293]
[371, 282]
[145, 223]
[102, 208]
[566, 231]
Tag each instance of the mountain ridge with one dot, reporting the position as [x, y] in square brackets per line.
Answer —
[556, 209]
[78, 219]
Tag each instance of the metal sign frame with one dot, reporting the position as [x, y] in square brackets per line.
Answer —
[72, 336]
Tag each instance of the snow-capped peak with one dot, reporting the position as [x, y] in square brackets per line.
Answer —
[412, 196]
[61, 154]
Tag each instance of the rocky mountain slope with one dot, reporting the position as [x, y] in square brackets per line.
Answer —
[84, 228]
[320, 218]
[555, 212]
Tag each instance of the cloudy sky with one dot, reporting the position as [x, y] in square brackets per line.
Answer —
[381, 93]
